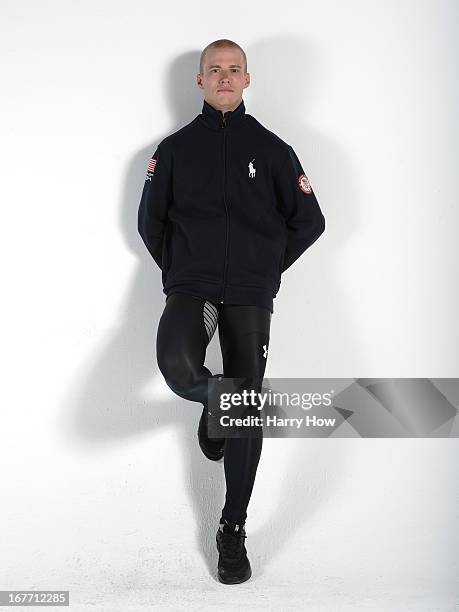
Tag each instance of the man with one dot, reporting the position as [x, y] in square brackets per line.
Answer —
[226, 208]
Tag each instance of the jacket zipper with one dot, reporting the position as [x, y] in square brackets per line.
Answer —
[226, 208]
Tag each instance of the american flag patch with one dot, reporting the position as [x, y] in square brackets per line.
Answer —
[151, 165]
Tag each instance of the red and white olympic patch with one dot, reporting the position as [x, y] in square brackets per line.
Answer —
[304, 184]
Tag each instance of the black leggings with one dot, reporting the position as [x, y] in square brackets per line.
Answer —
[185, 329]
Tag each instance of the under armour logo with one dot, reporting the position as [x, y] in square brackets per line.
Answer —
[265, 352]
[252, 170]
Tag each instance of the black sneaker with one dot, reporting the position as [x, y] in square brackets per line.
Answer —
[213, 448]
[233, 564]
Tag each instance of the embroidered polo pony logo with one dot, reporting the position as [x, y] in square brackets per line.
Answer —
[252, 169]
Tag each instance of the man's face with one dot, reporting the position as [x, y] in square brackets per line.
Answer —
[223, 78]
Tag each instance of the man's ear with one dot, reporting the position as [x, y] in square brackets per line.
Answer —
[199, 81]
[247, 80]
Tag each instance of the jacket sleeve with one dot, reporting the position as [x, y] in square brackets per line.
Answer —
[154, 204]
[300, 208]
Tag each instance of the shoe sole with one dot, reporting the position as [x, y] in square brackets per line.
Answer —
[213, 457]
[235, 580]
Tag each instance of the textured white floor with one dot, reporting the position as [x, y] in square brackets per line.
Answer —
[179, 576]
[188, 586]
[283, 595]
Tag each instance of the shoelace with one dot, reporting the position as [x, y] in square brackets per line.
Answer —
[231, 543]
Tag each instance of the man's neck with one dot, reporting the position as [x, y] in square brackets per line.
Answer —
[226, 108]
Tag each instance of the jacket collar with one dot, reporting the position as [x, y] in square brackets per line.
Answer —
[213, 118]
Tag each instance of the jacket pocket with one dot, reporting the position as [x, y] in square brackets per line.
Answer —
[279, 271]
[281, 262]
[166, 252]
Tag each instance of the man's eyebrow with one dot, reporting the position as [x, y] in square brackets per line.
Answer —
[218, 66]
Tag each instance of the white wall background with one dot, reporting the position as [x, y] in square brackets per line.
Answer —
[104, 489]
